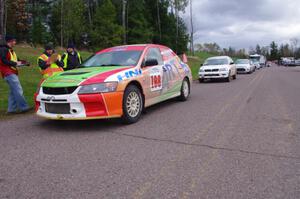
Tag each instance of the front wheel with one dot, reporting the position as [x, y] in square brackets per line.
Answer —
[132, 105]
[185, 90]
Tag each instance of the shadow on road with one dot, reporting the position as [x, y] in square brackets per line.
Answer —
[69, 126]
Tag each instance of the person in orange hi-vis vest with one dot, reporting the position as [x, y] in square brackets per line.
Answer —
[49, 62]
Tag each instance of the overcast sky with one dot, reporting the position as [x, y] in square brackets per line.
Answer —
[245, 23]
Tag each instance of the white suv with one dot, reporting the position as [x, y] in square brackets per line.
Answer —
[221, 67]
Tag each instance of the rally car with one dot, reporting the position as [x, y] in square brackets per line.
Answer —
[117, 82]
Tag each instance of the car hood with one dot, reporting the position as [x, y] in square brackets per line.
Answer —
[81, 76]
[214, 67]
[242, 65]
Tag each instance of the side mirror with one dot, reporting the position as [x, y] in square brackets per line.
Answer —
[151, 62]
[201, 65]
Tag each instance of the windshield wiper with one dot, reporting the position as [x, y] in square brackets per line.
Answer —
[102, 65]
[110, 65]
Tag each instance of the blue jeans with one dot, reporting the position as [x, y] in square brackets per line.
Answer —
[16, 98]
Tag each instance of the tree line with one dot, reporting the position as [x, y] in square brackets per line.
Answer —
[215, 49]
[96, 24]
[274, 51]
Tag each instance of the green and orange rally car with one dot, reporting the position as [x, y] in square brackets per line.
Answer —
[117, 82]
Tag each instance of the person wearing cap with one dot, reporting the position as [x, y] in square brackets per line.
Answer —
[9, 71]
[50, 62]
[71, 58]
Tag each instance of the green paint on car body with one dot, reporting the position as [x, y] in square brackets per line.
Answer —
[76, 76]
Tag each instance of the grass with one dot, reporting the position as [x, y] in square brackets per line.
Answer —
[30, 76]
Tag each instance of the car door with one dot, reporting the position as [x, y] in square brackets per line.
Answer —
[152, 68]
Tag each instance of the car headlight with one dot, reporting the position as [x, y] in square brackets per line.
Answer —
[201, 70]
[223, 69]
[99, 88]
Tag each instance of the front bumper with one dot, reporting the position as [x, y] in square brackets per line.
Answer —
[79, 107]
[213, 75]
[243, 70]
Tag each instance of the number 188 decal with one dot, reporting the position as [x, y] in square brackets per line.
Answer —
[155, 80]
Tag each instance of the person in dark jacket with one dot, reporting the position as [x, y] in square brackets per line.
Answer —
[71, 58]
[8, 68]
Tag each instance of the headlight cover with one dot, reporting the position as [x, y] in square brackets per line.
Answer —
[223, 69]
[201, 70]
[106, 87]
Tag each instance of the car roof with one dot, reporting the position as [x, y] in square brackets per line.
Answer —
[220, 57]
[139, 47]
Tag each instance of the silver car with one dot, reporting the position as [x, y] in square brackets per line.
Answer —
[221, 67]
[244, 66]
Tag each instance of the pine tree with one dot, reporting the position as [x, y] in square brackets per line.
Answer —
[69, 22]
[106, 32]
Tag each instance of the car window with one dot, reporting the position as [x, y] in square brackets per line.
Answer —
[242, 61]
[154, 53]
[114, 58]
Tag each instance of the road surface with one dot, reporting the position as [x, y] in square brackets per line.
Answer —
[230, 140]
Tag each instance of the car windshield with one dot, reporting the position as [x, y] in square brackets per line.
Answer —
[242, 61]
[113, 58]
[222, 61]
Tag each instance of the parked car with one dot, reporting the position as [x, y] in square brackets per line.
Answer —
[117, 82]
[244, 66]
[256, 64]
[297, 62]
[260, 58]
[221, 67]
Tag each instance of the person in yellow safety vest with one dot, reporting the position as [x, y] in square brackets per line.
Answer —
[48, 65]
[8, 69]
[72, 59]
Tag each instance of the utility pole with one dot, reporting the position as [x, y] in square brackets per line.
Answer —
[192, 28]
[124, 5]
[177, 23]
[158, 19]
[2, 19]
[61, 24]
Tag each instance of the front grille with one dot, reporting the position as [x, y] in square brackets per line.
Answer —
[57, 108]
[59, 91]
[241, 70]
[211, 75]
[211, 70]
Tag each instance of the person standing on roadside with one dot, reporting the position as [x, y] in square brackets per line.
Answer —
[49, 62]
[9, 71]
[71, 58]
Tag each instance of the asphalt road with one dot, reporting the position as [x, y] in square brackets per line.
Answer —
[230, 140]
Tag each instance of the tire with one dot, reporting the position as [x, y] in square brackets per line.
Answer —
[132, 105]
[185, 90]
[201, 80]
